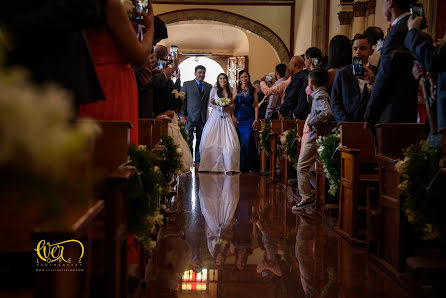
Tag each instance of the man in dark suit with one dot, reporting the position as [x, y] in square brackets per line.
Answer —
[297, 84]
[433, 59]
[394, 95]
[195, 107]
[350, 94]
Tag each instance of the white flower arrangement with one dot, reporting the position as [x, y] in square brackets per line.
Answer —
[177, 94]
[36, 128]
[223, 102]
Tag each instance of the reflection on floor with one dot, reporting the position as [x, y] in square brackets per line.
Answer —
[235, 236]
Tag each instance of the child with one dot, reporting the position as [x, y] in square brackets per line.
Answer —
[320, 112]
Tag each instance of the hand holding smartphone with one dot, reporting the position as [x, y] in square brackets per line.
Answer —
[417, 10]
[358, 67]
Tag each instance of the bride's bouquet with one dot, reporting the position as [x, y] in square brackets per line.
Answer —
[222, 102]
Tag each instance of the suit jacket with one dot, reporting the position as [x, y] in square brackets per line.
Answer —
[394, 94]
[196, 102]
[347, 102]
[292, 100]
[434, 60]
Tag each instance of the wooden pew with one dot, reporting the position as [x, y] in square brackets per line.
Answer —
[263, 157]
[285, 165]
[359, 176]
[276, 126]
[76, 223]
[390, 251]
[150, 131]
[321, 184]
[110, 153]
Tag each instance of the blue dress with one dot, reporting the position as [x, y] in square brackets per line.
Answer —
[244, 111]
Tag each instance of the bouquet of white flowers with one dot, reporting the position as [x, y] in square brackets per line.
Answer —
[223, 102]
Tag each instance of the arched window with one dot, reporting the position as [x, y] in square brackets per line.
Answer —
[187, 69]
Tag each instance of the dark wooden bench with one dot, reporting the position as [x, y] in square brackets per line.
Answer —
[276, 126]
[390, 248]
[359, 181]
[263, 157]
[150, 131]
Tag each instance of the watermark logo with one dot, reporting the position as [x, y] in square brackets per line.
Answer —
[54, 256]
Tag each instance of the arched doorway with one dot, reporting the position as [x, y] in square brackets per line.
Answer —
[187, 69]
[232, 19]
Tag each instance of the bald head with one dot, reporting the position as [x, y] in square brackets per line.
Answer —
[160, 52]
[296, 64]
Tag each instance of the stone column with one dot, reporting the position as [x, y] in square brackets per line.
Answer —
[360, 12]
[371, 13]
[345, 20]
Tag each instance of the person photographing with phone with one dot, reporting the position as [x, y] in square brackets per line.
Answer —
[430, 57]
[351, 88]
[395, 91]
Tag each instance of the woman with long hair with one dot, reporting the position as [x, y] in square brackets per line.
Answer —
[339, 56]
[246, 114]
[219, 146]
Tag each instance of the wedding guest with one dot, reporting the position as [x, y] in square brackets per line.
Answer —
[320, 112]
[350, 94]
[246, 111]
[338, 57]
[376, 35]
[394, 95]
[272, 111]
[114, 46]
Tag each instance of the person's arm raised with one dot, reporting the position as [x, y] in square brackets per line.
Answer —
[125, 36]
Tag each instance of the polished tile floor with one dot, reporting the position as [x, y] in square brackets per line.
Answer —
[235, 236]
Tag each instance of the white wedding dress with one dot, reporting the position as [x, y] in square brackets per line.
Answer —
[220, 146]
[173, 131]
[219, 196]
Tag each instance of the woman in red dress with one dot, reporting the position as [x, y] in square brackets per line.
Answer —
[113, 48]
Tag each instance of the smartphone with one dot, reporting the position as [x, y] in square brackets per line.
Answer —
[417, 10]
[269, 78]
[173, 50]
[314, 62]
[358, 67]
[140, 6]
[162, 63]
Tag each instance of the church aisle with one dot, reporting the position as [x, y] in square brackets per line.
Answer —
[235, 236]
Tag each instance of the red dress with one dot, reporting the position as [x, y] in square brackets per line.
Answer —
[117, 80]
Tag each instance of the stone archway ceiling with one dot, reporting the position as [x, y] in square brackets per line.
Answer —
[231, 19]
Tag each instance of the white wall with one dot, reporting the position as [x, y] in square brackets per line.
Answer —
[303, 26]
[262, 57]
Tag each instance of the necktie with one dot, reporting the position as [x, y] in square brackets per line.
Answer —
[200, 85]
[390, 27]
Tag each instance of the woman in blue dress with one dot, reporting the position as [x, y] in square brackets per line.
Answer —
[246, 114]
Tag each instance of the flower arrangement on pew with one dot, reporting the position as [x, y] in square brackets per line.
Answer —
[40, 147]
[289, 143]
[330, 158]
[265, 138]
[420, 192]
[144, 218]
[170, 161]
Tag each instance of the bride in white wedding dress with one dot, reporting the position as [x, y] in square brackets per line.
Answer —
[220, 146]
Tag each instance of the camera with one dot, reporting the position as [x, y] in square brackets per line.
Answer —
[358, 67]
[162, 63]
[268, 78]
[417, 10]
